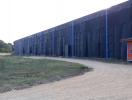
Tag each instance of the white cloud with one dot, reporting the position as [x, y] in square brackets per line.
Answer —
[19, 18]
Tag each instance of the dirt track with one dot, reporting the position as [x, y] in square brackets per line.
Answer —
[105, 82]
[5, 54]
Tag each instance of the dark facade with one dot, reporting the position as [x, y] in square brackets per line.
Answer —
[83, 37]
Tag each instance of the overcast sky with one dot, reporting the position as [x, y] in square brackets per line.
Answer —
[20, 18]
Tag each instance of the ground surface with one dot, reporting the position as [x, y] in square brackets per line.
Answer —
[106, 82]
[4, 54]
[18, 72]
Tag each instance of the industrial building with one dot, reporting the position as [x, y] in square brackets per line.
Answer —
[96, 35]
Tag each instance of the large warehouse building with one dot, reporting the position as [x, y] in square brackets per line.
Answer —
[97, 35]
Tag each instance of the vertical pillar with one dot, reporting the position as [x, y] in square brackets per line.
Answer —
[72, 36]
[106, 34]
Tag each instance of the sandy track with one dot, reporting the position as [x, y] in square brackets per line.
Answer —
[105, 82]
[5, 54]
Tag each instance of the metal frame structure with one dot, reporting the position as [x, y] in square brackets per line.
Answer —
[95, 35]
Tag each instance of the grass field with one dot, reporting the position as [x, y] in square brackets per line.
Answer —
[19, 72]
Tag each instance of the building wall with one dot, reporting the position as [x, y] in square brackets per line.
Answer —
[83, 37]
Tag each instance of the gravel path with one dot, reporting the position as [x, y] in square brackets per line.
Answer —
[105, 82]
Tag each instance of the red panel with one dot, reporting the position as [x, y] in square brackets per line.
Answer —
[129, 50]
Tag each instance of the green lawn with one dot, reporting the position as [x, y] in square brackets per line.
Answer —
[19, 72]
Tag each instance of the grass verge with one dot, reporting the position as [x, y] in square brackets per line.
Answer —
[19, 72]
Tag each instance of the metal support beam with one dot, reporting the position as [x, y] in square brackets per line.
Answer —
[72, 39]
[106, 34]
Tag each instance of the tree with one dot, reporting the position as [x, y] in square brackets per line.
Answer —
[5, 47]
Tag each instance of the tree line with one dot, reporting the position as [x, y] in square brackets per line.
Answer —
[5, 47]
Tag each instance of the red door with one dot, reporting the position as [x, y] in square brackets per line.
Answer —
[129, 56]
